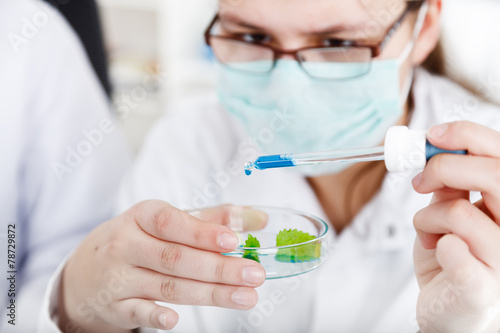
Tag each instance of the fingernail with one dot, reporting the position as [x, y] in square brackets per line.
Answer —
[253, 275]
[247, 219]
[228, 241]
[417, 180]
[242, 297]
[254, 219]
[438, 131]
[163, 319]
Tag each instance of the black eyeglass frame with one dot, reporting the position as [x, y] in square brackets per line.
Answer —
[376, 49]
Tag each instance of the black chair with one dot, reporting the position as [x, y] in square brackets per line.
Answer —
[83, 16]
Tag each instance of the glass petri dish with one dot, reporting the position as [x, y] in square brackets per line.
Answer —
[291, 260]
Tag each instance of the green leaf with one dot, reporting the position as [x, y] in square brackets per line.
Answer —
[303, 253]
[250, 254]
[292, 237]
[252, 242]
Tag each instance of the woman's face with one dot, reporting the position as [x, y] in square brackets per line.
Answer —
[293, 24]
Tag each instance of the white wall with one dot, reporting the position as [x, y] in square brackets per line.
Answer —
[155, 41]
[471, 31]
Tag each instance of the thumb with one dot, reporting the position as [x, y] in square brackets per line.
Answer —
[132, 313]
[238, 218]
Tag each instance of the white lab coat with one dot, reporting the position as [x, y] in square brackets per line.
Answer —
[50, 101]
[194, 158]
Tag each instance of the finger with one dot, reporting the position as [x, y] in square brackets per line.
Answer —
[458, 263]
[449, 194]
[159, 287]
[467, 173]
[186, 262]
[482, 206]
[462, 218]
[165, 222]
[443, 194]
[134, 313]
[237, 218]
[428, 240]
[425, 263]
[476, 139]
[446, 194]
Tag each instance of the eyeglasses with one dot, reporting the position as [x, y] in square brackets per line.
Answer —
[259, 58]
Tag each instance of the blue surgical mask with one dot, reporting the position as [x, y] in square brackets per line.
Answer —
[321, 115]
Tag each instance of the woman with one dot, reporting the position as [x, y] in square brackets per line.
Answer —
[317, 75]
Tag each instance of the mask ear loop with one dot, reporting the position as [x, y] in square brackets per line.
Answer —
[407, 51]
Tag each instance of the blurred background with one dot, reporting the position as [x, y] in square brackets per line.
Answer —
[158, 57]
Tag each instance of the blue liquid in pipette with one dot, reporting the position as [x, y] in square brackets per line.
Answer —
[288, 160]
[270, 162]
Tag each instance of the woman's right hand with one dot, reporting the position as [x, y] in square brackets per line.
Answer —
[155, 252]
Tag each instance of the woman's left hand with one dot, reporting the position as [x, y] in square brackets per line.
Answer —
[457, 251]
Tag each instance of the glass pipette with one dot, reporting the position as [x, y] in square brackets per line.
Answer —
[403, 150]
[295, 160]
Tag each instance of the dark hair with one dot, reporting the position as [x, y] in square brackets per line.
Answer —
[436, 61]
